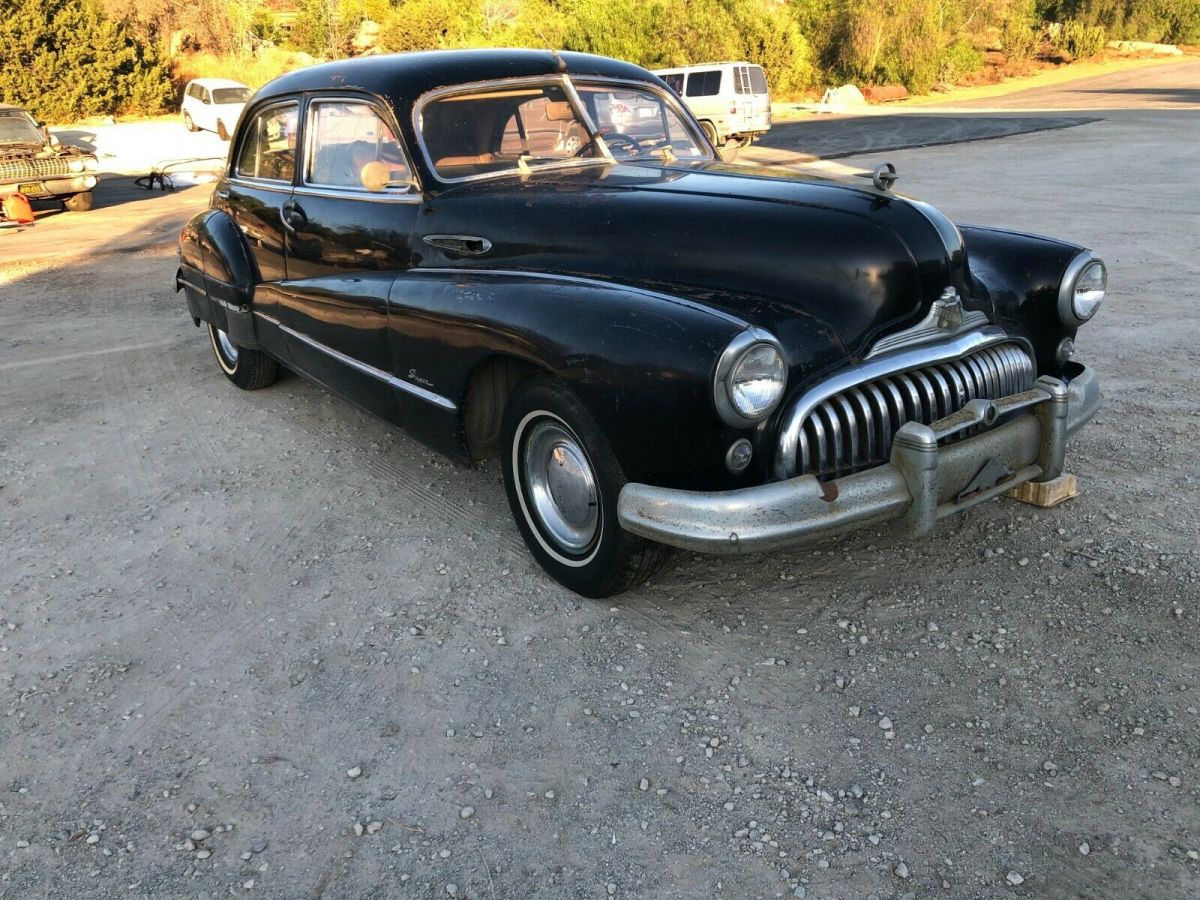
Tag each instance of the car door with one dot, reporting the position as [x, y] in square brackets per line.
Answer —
[259, 185]
[349, 229]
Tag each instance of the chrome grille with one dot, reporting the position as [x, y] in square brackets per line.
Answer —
[25, 169]
[854, 429]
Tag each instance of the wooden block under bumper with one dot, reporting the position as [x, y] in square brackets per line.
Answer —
[1046, 493]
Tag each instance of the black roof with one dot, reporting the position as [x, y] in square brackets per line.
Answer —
[405, 76]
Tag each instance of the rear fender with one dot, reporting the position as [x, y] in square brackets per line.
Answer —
[218, 274]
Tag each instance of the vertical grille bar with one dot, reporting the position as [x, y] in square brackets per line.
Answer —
[855, 429]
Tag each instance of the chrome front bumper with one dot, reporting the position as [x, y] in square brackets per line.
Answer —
[923, 482]
[53, 186]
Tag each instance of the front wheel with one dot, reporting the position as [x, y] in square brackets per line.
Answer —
[79, 202]
[188, 123]
[563, 481]
[248, 369]
[222, 131]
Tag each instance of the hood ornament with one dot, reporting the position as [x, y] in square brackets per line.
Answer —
[884, 176]
[947, 310]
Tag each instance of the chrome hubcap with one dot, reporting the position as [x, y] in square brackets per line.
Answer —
[228, 348]
[562, 487]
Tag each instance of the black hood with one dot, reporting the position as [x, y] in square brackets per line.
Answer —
[805, 258]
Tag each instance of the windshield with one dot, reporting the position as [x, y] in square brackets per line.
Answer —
[639, 124]
[231, 95]
[15, 128]
[506, 127]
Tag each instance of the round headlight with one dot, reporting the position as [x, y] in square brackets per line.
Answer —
[90, 163]
[1082, 289]
[750, 379]
[757, 381]
[75, 165]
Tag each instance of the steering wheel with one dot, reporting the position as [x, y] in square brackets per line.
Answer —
[617, 140]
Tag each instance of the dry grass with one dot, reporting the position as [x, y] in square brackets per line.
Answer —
[253, 70]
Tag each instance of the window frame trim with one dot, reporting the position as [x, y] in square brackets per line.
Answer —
[235, 173]
[302, 185]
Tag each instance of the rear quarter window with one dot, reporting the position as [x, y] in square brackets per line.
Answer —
[704, 84]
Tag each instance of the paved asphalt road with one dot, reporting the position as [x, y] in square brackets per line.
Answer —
[1170, 86]
[1174, 86]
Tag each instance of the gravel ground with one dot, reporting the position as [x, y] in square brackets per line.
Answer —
[264, 645]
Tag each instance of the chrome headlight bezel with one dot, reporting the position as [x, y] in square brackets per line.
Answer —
[1068, 310]
[731, 357]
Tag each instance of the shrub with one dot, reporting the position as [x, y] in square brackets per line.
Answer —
[63, 60]
[959, 59]
[1081, 40]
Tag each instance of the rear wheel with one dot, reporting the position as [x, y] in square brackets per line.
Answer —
[188, 123]
[710, 132]
[222, 133]
[79, 202]
[563, 481]
[248, 369]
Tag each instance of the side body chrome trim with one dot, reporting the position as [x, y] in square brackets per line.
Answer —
[418, 392]
[869, 370]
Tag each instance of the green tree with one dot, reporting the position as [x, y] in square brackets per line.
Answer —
[64, 59]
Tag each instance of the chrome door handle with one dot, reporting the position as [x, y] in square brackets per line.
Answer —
[292, 216]
[466, 244]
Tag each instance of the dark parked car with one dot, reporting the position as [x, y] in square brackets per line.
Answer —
[34, 164]
[661, 349]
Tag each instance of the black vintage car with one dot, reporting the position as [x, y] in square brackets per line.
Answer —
[661, 348]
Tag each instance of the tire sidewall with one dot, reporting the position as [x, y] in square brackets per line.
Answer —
[231, 370]
[541, 399]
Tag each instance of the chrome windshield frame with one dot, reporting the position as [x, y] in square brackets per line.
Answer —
[567, 83]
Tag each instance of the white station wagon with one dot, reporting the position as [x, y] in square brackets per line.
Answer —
[213, 104]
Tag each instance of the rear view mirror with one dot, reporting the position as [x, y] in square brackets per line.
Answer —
[376, 176]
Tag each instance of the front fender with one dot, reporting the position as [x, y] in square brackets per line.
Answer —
[1020, 274]
[640, 361]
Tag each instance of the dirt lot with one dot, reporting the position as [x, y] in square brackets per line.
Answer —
[263, 645]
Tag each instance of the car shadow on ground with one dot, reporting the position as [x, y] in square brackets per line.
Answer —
[1181, 96]
[833, 137]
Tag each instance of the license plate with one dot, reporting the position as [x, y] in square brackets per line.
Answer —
[31, 190]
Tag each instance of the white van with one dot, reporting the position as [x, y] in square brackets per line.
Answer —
[730, 99]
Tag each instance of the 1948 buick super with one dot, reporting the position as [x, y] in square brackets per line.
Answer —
[540, 256]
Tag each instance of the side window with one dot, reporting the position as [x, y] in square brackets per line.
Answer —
[268, 148]
[675, 82]
[542, 128]
[350, 146]
[758, 81]
[704, 84]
